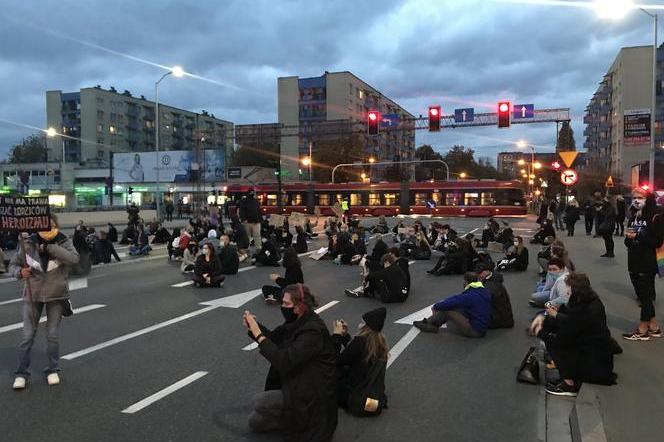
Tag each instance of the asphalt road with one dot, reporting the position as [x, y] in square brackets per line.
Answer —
[440, 387]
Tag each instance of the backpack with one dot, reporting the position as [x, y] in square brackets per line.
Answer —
[368, 398]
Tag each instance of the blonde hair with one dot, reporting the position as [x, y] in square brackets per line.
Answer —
[376, 347]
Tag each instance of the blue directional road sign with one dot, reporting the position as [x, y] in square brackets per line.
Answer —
[389, 121]
[521, 111]
[464, 115]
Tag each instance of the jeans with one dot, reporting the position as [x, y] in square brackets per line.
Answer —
[589, 224]
[268, 413]
[608, 242]
[31, 313]
[620, 227]
[558, 218]
[458, 319]
[541, 298]
[570, 229]
[644, 287]
[254, 232]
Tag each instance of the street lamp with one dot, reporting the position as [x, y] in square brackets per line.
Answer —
[521, 162]
[372, 160]
[617, 9]
[462, 175]
[537, 165]
[177, 72]
[52, 133]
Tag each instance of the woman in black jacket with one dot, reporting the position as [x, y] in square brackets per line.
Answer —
[572, 215]
[293, 275]
[304, 408]
[387, 284]
[578, 340]
[621, 213]
[516, 257]
[379, 249]
[207, 269]
[358, 357]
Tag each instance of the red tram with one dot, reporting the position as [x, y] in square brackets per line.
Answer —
[438, 198]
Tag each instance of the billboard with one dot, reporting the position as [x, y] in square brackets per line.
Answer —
[636, 129]
[174, 166]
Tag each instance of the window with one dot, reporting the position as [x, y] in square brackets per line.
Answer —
[100, 101]
[452, 199]
[435, 196]
[360, 94]
[471, 199]
[421, 199]
[149, 124]
[100, 154]
[111, 129]
[487, 199]
[323, 199]
[297, 199]
[355, 199]
[100, 115]
[271, 199]
[350, 85]
[391, 199]
[100, 141]
[374, 199]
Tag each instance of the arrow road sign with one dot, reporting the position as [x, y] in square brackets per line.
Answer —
[389, 120]
[465, 115]
[522, 111]
[569, 177]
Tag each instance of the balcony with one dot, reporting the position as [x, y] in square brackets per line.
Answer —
[589, 118]
[605, 126]
[590, 131]
[604, 143]
[133, 111]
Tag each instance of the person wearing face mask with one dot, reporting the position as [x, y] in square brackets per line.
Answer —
[43, 262]
[300, 397]
[516, 257]
[207, 270]
[554, 290]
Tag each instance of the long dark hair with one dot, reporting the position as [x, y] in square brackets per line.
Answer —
[580, 290]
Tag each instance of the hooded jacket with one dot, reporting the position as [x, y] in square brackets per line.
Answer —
[230, 261]
[501, 307]
[46, 285]
[250, 210]
[474, 301]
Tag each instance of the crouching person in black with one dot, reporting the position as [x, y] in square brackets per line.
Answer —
[268, 254]
[207, 269]
[300, 400]
[362, 364]
[387, 284]
[293, 266]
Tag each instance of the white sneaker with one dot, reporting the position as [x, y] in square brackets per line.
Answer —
[19, 383]
[53, 379]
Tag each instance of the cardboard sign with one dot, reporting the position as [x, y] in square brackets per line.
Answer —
[297, 219]
[276, 220]
[23, 214]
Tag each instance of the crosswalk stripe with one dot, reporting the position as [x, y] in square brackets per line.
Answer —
[83, 309]
[183, 284]
[138, 406]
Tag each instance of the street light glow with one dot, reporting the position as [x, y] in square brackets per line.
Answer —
[521, 162]
[612, 9]
[306, 161]
[372, 160]
[51, 132]
[462, 175]
[177, 71]
[373, 116]
[521, 144]
[537, 165]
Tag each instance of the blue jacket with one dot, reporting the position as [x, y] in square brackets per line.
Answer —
[474, 301]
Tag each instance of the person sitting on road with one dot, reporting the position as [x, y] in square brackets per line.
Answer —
[302, 401]
[241, 239]
[489, 233]
[293, 275]
[470, 311]
[268, 255]
[189, 257]
[483, 260]
[387, 284]
[284, 237]
[345, 252]
[417, 247]
[228, 256]
[516, 257]
[446, 234]
[400, 232]
[501, 306]
[454, 259]
[554, 289]
[402, 263]
[161, 236]
[359, 245]
[207, 270]
[141, 245]
[379, 249]
[173, 245]
[212, 239]
[103, 249]
[381, 227]
[577, 339]
[363, 360]
[544, 255]
[301, 240]
[546, 229]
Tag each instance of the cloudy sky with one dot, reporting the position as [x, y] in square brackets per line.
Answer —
[456, 53]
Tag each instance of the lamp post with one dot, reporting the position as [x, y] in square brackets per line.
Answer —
[521, 144]
[51, 133]
[177, 72]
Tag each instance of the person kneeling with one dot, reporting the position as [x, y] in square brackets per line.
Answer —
[387, 284]
[207, 270]
[293, 275]
[362, 364]
[470, 310]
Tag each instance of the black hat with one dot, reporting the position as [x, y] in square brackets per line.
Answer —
[375, 319]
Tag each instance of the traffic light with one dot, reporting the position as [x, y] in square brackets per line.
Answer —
[434, 118]
[130, 190]
[504, 112]
[373, 122]
[556, 165]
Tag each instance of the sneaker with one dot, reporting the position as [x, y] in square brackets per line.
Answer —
[636, 335]
[426, 326]
[562, 389]
[19, 383]
[655, 333]
[271, 300]
[53, 379]
[353, 293]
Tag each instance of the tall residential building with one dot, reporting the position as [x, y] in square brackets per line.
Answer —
[101, 121]
[336, 103]
[624, 95]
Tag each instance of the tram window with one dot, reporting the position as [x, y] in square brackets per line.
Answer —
[452, 199]
[271, 199]
[391, 199]
[323, 199]
[487, 199]
[435, 197]
[297, 199]
[374, 199]
[421, 198]
[471, 199]
[339, 198]
[355, 199]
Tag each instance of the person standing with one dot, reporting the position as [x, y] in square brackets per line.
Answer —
[588, 213]
[571, 216]
[644, 235]
[43, 262]
[250, 216]
[607, 226]
[620, 216]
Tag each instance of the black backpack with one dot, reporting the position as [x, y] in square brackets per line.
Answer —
[368, 398]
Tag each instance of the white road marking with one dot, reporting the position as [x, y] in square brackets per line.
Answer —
[234, 301]
[4, 280]
[417, 316]
[138, 406]
[183, 284]
[254, 345]
[400, 346]
[474, 230]
[11, 301]
[410, 263]
[83, 309]
[244, 269]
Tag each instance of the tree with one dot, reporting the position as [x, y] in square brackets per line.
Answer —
[330, 153]
[426, 171]
[565, 138]
[31, 149]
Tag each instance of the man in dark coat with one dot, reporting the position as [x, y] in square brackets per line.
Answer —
[228, 256]
[305, 407]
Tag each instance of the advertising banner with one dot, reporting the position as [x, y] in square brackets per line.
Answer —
[22, 214]
[175, 166]
[636, 128]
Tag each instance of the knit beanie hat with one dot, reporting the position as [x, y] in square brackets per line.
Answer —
[375, 319]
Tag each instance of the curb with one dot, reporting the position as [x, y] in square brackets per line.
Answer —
[585, 421]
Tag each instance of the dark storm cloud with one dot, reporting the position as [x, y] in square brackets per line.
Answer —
[456, 53]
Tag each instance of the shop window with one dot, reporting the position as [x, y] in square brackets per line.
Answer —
[391, 199]
[323, 199]
[421, 199]
[374, 199]
[355, 199]
[471, 199]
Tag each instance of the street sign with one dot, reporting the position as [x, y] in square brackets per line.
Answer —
[568, 157]
[465, 115]
[234, 172]
[521, 111]
[389, 120]
[569, 177]
[636, 126]
[609, 182]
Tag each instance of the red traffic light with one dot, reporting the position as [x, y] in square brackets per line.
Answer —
[555, 165]
[373, 116]
[434, 118]
[504, 114]
[645, 187]
[373, 122]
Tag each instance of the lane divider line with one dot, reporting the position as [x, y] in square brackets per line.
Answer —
[138, 406]
[76, 311]
[401, 345]
[183, 284]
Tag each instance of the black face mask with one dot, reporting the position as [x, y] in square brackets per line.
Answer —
[289, 314]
